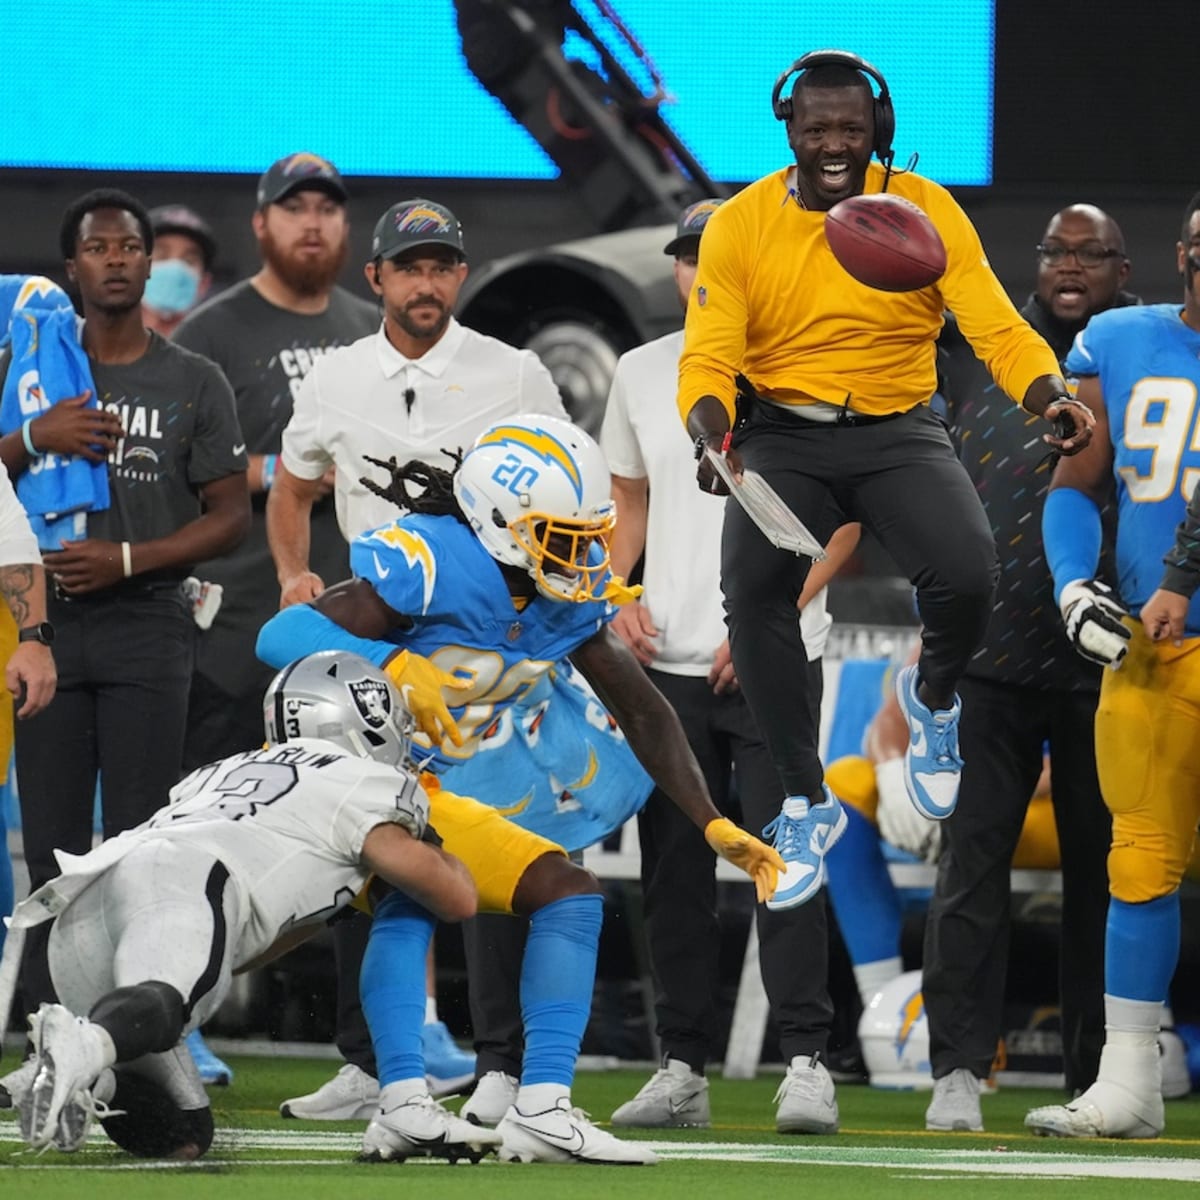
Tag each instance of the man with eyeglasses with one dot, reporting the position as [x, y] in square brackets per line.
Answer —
[1025, 686]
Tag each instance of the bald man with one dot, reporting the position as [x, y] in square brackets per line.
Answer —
[1025, 688]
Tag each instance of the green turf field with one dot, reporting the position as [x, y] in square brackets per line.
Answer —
[881, 1151]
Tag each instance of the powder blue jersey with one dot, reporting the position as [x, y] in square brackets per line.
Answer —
[1148, 365]
[537, 744]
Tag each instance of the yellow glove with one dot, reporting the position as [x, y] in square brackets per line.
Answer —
[618, 592]
[760, 861]
[420, 684]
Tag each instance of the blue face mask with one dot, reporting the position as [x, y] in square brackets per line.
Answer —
[173, 287]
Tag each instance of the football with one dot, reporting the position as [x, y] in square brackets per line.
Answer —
[886, 242]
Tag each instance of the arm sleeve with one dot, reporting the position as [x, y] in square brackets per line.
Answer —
[18, 544]
[1071, 535]
[301, 630]
[714, 344]
[1012, 350]
[617, 438]
[1182, 561]
[302, 451]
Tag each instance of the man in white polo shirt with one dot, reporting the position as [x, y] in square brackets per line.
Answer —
[422, 384]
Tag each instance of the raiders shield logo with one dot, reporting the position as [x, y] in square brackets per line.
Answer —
[372, 701]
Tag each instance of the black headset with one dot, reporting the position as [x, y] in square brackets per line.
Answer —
[885, 115]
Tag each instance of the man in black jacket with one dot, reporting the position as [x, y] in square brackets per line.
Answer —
[1025, 687]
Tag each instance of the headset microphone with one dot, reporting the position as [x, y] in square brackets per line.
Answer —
[884, 113]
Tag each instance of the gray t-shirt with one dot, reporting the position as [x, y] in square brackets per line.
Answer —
[180, 432]
[265, 351]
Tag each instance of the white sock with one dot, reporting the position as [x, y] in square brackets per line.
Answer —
[1131, 1022]
[538, 1097]
[402, 1091]
[871, 977]
[796, 807]
[430, 1010]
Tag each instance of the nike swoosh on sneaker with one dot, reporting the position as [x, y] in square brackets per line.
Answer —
[677, 1106]
[920, 747]
[572, 1144]
[382, 571]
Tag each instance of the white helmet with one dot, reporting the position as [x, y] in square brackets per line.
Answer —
[341, 698]
[894, 1035]
[538, 495]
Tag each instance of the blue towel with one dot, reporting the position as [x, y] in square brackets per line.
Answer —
[48, 364]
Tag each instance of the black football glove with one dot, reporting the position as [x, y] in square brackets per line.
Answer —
[1093, 619]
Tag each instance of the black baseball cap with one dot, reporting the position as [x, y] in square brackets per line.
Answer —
[297, 171]
[416, 223]
[691, 225]
[178, 218]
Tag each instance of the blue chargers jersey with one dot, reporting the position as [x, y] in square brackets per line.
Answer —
[537, 743]
[1148, 364]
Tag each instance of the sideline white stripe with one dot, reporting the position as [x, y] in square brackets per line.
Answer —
[912, 1162]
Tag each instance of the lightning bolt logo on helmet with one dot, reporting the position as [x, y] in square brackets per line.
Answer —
[537, 492]
[548, 448]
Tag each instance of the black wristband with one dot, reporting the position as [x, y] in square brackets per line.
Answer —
[701, 443]
[1064, 427]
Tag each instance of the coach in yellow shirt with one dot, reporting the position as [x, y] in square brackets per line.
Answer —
[836, 418]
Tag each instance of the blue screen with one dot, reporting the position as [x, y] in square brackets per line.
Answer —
[380, 86]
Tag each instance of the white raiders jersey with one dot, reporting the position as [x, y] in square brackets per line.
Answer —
[287, 821]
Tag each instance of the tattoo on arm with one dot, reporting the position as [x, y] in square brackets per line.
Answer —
[16, 582]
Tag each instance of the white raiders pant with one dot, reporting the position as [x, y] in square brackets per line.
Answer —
[164, 912]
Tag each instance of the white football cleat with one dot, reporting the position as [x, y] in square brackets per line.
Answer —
[565, 1134]
[69, 1055]
[1124, 1102]
[14, 1086]
[493, 1096]
[420, 1127]
[351, 1095]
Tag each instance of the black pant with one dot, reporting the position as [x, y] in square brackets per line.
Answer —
[352, 1036]
[901, 479]
[1001, 735]
[124, 667]
[680, 891]
[493, 950]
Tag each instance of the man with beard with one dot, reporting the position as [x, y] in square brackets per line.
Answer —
[125, 637]
[1023, 689]
[265, 333]
[419, 385]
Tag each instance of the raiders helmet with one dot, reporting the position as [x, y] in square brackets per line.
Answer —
[341, 698]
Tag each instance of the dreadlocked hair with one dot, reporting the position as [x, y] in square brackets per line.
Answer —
[436, 495]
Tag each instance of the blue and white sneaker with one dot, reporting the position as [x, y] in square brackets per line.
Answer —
[447, 1066]
[932, 766]
[213, 1072]
[802, 833]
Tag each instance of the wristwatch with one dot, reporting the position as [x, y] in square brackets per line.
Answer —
[42, 632]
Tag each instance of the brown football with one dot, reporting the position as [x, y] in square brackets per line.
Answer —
[886, 242]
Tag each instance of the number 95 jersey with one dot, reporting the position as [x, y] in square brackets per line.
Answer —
[1148, 365]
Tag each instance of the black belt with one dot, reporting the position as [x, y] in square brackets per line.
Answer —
[847, 416]
[129, 589]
